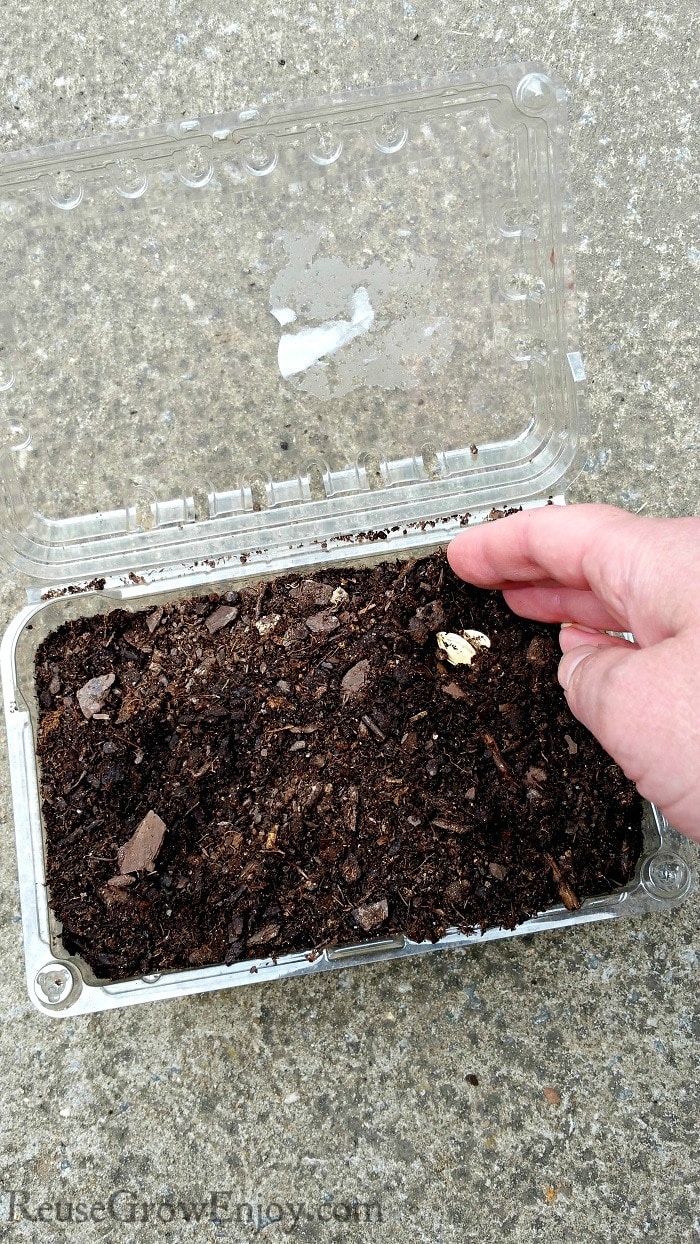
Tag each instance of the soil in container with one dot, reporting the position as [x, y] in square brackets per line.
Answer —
[313, 761]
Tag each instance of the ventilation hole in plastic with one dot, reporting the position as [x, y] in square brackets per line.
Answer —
[520, 285]
[258, 493]
[130, 178]
[65, 191]
[519, 220]
[141, 511]
[430, 458]
[527, 347]
[371, 463]
[317, 490]
[195, 168]
[201, 502]
[324, 144]
[15, 435]
[391, 133]
[260, 158]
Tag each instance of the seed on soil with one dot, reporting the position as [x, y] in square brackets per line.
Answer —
[461, 647]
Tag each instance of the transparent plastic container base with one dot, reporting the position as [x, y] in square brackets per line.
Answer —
[268, 340]
[61, 985]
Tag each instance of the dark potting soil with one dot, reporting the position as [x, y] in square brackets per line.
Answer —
[299, 765]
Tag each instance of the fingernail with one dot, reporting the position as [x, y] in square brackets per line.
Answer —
[571, 660]
[589, 630]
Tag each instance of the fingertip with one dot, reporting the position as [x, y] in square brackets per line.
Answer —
[571, 661]
[571, 635]
[458, 553]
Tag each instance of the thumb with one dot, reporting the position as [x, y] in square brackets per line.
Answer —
[605, 695]
[642, 706]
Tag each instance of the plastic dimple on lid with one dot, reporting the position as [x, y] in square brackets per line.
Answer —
[221, 331]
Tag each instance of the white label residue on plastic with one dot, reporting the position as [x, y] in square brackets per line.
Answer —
[284, 315]
[297, 351]
[372, 325]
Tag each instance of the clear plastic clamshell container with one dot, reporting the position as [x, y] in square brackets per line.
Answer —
[271, 340]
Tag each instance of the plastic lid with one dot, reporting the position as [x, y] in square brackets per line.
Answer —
[334, 316]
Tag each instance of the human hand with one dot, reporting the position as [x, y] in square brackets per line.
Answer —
[596, 568]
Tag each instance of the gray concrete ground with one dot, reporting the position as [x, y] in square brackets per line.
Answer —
[353, 1087]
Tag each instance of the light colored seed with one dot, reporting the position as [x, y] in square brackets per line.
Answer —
[477, 638]
[461, 647]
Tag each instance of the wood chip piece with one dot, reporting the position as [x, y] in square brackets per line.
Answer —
[220, 618]
[121, 881]
[92, 695]
[314, 796]
[350, 868]
[355, 679]
[350, 808]
[452, 827]
[370, 724]
[129, 705]
[153, 619]
[552, 1096]
[454, 691]
[498, 871]
[310, 593]
[265, 934]
[322, 623]
[139, 853]
[137, 640]
[571, 744]
[570, 900]
[371, 915]
[112, 896]
[432, 616]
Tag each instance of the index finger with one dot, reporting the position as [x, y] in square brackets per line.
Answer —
[550, 543]
[645, 570]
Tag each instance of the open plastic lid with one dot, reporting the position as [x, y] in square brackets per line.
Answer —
[276, 327]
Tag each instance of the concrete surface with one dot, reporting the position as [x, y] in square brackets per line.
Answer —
[353, 1088]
